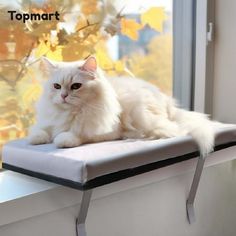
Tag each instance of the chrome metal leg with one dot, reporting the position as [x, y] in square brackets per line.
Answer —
[193, 190]
[80, 221]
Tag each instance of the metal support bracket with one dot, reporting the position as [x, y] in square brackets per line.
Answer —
[193, 190]
[80, 221]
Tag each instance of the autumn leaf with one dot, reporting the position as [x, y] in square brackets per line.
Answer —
[55, 54]
[154, 17]
[45, 49]
[89, 6]
[119, 66]
[42, 49]
[130, 28]
[104, 61]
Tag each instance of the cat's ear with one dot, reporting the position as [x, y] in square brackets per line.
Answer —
[47, 66]
[90, 64]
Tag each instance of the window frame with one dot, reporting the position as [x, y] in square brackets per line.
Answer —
[183, 51]
[193, 54]
[204, 72]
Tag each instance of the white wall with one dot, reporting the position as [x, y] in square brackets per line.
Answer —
[224, 99]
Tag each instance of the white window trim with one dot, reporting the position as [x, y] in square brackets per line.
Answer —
[200, 62]
[183, 50]
[204, 59]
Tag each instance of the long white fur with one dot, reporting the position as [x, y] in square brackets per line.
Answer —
[110, 108]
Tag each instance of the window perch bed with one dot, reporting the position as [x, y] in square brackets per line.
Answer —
[93, 165]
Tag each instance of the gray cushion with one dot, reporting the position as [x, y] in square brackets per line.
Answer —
[87, 162]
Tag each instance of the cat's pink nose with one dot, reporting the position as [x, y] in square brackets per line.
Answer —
[64, 95]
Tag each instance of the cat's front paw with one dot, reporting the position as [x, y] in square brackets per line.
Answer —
[39, 137]
[66, 140]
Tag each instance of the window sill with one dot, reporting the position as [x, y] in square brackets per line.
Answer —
[14, 186]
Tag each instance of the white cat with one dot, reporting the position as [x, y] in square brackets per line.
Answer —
[80, 105]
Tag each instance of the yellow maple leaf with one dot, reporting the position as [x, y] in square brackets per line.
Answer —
[119, 66]
[55, 54]
[45, 49]
[130, 28]
[104, 61]
[154, 17]
[41, 50]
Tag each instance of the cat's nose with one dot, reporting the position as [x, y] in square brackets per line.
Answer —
[64, 95]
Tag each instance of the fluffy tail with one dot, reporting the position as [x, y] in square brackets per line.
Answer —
[199, 127]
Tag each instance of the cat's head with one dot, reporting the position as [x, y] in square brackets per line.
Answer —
[71, 84]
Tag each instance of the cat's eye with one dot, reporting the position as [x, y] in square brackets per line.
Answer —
[75, 86]
[57, 86]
